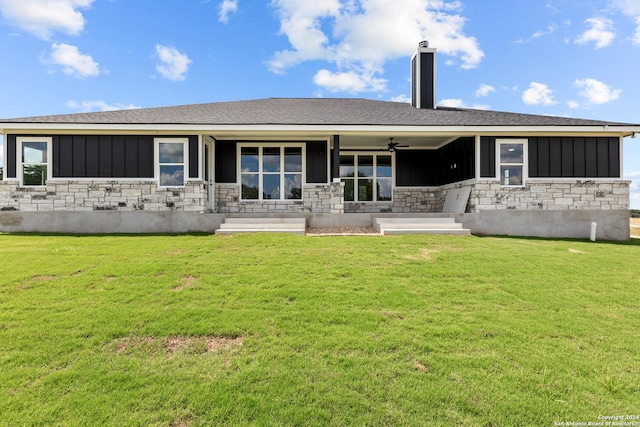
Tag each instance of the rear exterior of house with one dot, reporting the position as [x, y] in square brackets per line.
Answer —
[332, 161]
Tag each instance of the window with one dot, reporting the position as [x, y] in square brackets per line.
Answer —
[366, 177]
[33, 161]
[171, 165]
[512, 156]
[271, 172]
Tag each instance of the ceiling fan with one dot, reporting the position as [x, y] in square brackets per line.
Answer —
[391, 147]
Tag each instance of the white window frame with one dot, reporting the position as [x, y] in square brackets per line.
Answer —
[184, 163]
[375, 154]
[282, 173]
[20, 164]
[525, 161]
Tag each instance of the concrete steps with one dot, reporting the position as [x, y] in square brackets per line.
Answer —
[404, 225]
[419, 226]
[262, 225]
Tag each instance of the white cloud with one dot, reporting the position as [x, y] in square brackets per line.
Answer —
[628, 7]
[88, 106]
[350, 81]
[632, 175]
[227, 7]
[459, 103]
[550, 30]
[597, 92]
[73, 62]
[636, 35]
[573, 104]
[401, 98]
[601, 32]
[452, 102]
[538, 94]
[43, 17]
[361, 35]
[173, 65]
[484, 90]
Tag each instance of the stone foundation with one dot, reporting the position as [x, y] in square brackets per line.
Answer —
[83, 196]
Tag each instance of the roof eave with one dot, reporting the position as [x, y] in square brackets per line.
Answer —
[39, 128]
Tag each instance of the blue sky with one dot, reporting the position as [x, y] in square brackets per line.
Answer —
[557, 57]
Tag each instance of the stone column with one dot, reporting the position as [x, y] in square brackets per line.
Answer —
[337, 197]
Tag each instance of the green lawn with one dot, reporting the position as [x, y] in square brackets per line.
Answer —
[289, 330]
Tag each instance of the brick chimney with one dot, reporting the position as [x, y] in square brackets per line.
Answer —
[423, 77]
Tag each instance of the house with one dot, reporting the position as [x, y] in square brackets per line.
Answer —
[331, 161]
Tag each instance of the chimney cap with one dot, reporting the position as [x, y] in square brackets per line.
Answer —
[424, 43]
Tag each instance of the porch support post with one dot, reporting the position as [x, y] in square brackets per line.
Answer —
[335, 171]
[477, 155]
[622, 155]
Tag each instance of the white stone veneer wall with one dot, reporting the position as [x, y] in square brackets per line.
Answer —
[405, 200]
[417, 200]
[316, 198]
[102, 195]
[551, 195]
[490, 195]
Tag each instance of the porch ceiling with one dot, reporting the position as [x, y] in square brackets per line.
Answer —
[350, 141]
[376, 142]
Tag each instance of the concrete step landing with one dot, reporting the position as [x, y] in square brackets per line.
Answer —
[262, 225]
[409, 225]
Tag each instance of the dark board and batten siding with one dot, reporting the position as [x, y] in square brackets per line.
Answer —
[487, 157]
[79, 156]
[226, 153]
[103, 156]
[574, 157]
[423, 70]
[561, 157]
[452, 163]
[194, 157]
[316, 162]
[427, 79]
[10, 161]
[414, 74]
[115, 156]
[457, 161]
[415, 168]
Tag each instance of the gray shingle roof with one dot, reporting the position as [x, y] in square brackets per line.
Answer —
[315, 111]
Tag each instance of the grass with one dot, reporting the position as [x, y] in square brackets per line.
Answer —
[289, 330]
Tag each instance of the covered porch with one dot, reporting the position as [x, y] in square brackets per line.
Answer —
[347, 173]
